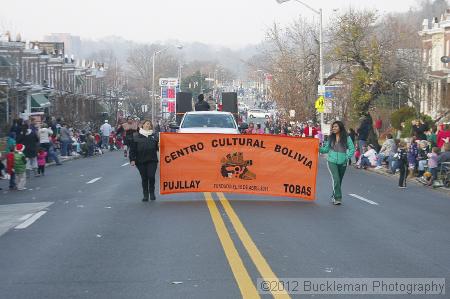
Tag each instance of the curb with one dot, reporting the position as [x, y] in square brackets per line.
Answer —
[62, 161]
[409, 180]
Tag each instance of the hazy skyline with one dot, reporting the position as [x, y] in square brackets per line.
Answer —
[232, 23]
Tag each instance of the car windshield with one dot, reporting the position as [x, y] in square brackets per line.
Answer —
[208, 121]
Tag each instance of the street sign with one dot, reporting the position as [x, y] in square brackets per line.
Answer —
[321, 90]
[168, 82]
[168, 92]
[320, 104]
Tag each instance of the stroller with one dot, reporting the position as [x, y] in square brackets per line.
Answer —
[443, 177]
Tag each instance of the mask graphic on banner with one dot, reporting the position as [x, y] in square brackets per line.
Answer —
[234, 165]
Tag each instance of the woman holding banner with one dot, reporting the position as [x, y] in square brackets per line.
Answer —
[340, 149]
[144, 155]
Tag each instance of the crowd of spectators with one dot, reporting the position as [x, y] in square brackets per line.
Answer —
[30, 146]
[427, 154]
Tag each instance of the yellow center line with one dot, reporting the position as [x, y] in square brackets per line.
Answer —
[245, 283]
[256, 256]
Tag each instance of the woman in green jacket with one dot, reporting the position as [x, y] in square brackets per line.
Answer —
[340, 149]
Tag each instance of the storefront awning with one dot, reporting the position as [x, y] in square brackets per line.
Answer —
[39, 101]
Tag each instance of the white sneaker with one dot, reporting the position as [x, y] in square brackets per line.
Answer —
[378, 167]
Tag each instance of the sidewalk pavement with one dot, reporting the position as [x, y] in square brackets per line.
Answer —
[414, 180]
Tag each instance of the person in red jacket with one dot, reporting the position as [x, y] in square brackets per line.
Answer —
[378, 125]
[443, 135]
[310, 130]
[10, 169]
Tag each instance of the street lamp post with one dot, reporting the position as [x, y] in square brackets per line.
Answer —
[179, 47]
[320, 13]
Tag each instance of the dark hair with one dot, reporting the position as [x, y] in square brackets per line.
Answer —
[342, 133]
[201, 97]
[147, 120]
[436, 150]
[389, 136]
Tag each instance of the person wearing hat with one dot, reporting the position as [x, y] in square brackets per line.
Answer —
[30, 141]
[201, 105]
[106, 130]
[20, 163]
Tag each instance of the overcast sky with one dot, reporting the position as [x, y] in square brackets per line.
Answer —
[232, 23]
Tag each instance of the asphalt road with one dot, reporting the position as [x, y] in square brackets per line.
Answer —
[93, 238]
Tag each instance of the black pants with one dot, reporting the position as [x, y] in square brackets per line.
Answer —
[41, 169]
[147, 171]
[403, 174]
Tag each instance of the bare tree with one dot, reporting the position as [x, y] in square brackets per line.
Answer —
[114, 81]
[291, 56]
[140, 73]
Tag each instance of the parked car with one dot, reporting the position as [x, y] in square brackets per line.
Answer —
[242, 106]
[258, 113]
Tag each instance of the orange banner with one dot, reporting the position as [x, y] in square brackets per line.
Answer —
[254, 164]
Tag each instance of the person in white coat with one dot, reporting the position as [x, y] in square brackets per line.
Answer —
[369, 158]
[105, 130]
[44, 137]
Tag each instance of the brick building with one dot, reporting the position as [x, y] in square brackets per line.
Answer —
[37, 77]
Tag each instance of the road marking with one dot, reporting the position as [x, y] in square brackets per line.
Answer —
[258, 259]
[25, 217]
[364, 199]
[245, 283]
[94, 180]
[125, 164]
[30, 220]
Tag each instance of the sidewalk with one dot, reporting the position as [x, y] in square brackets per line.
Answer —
[410, 180]
[5, 182]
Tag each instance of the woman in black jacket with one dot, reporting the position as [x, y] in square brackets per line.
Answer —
[30, 140]
[144, 155]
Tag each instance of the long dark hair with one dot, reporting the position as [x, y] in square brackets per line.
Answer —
[342, 133]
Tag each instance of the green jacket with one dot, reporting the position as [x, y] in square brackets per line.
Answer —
[336, 157]
[432, 139]
[20, 163]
